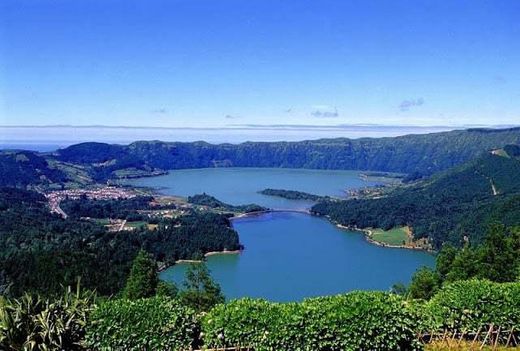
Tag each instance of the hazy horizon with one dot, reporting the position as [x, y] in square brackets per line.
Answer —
[48, 138]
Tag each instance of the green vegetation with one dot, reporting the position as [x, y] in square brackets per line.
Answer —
[40, 252]
[211, 202]
[200, 291]
[152, 314]
[396, 236]
[362, 320]
[469, 305]
[156, 323]
[424, 285]
[292, 194]
[142, 281]
[354, 321]
[27, 168]
[497, 259]
[445, 208]
[35, 323]
[117, 208]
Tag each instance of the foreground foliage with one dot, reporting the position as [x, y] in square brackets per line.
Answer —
[469, 305]
[156, 323]
[497, 259]
[33, 323]
[364, 320]
[355, 321]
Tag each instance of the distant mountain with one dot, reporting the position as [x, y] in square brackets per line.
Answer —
[418, 155]
[415, 155]
[453, 204]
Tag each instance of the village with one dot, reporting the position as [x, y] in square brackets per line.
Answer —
[54, 198]
[160, 207]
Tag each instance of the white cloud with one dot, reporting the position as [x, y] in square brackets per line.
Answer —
[324, 111]
[405, 105]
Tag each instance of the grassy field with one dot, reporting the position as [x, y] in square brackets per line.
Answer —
[101, 221]
[396, 236]
[500, 152]
[136, 224]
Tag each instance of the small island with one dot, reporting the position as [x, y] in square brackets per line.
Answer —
[293, 194]
[213, 203]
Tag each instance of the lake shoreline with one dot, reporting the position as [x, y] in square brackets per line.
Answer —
[368, 236]
[366, 232]
[212, 253]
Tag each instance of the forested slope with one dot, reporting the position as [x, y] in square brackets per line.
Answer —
[22, 168]
[460, 202]
[40, 251]
[413, 154]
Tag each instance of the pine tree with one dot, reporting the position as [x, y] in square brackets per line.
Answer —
[142, 281]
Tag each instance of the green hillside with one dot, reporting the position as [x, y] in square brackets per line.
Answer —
[445, 208]
[23, 168]
[418, 155]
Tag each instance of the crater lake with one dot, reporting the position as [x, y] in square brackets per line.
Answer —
[289, 256]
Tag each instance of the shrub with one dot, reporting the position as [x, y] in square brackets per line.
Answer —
[244, 322]
[156, 323]
[425, 283]
[469, 305]
[359, 320]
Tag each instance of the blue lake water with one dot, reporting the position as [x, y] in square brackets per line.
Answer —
[289, 256]
[238, 186]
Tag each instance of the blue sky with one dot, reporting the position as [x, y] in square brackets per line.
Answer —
[209, 63]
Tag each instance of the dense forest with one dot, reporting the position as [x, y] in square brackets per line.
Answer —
[448, 207]
[41, 252]
[419, 155]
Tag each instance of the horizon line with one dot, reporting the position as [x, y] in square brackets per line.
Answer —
[270, 126]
